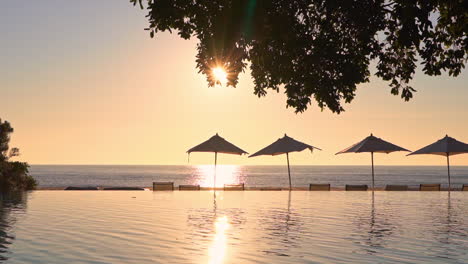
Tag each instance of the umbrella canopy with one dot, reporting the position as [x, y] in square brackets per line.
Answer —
[446, 146]
[284, 145]
[372, 144]
[217, 145]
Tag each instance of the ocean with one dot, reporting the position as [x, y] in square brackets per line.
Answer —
[253, 176]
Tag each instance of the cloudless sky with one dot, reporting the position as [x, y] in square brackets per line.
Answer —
[83, 83]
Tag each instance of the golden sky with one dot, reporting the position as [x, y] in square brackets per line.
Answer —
[82, 83]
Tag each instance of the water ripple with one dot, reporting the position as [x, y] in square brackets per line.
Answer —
[232, 227]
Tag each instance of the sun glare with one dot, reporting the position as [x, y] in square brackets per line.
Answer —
[225, 174]
[220, 75]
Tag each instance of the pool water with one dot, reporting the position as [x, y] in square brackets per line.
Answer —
[234, 227]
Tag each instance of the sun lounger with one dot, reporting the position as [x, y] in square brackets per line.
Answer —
[271, 189]
[189, 187]
[82, 188]
[123, 189]
[429, 187]
[163, 186]
[356, 187]
[319, 187]
[234, 187]
[396, 187]
[465, 187]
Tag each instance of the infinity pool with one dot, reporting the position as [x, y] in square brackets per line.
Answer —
[234, 227]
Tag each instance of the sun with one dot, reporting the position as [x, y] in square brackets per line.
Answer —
[220, 75]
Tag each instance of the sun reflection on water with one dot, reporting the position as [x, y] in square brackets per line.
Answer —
[225, 174]
[218, 248]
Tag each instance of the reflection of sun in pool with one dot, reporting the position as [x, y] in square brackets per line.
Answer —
[225, 174]
[220, 75]
[218, 248]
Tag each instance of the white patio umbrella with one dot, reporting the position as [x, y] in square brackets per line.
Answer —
[217, 145]
[284, 145]
[446, 146]
[372, 144]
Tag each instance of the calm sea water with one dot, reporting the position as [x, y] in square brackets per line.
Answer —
[48, 227]
[254, 176]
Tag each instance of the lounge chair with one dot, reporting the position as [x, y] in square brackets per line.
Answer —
[163, 186]
[362, 187]
[271, 189]
[83, 188]
[396, 187]
[234, 187]
[319, 187]
[123, 189]
[189, 187]
[429, 187]
[465, 187]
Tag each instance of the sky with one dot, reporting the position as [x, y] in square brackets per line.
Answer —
[81, 82]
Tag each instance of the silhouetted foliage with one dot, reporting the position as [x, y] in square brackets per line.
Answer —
[14, 175]
[5, 131]
[319, 49]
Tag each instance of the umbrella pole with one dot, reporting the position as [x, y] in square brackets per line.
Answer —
[448, 170]
[216, 160]
[289, 171]
[372, 158]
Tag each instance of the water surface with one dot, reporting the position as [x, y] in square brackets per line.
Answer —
[234, 227]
